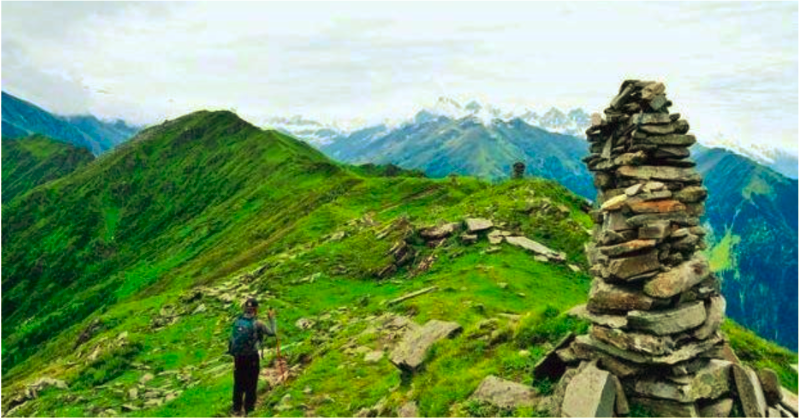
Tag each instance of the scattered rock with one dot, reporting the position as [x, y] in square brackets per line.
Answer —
[468, 238]
[495, 237]
[199, 309]
[478, 224]
[410, 352]
[591, 393]
[504, 393]
[439, 232]
[146, 378]
[373, 356]
[408, 409]
[304, 323]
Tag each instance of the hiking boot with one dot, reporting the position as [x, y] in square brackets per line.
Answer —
[236, 413]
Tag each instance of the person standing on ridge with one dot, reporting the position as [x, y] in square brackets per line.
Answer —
[248, 334]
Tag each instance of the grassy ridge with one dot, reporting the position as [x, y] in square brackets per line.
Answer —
[34, 160]
[157, 243]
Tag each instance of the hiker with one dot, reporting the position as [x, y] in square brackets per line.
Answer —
[248, 334]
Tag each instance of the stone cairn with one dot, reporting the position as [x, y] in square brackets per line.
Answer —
[518, 170]
[654, 305]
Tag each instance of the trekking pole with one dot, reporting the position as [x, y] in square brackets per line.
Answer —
[280, 365]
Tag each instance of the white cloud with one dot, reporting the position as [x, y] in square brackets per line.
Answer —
[731, 68]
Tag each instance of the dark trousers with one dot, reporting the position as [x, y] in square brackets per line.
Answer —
[245, 381]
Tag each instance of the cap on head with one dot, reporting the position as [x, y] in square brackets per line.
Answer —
[251, 303]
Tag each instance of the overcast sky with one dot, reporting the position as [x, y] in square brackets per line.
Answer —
[730, 68]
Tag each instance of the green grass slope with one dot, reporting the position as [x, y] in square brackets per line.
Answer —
[35, 160]
[122, 279]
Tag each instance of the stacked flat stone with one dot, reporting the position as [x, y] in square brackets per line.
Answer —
[654, 305]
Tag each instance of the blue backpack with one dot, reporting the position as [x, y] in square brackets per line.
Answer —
[244, 338]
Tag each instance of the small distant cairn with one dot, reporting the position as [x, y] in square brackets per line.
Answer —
[654, 304]
[518, 170]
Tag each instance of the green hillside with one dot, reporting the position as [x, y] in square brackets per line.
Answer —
[35, 160]
[121, 280]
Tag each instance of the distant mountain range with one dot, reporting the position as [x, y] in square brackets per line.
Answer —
[22, 118]
[751, 210]
[573, 123]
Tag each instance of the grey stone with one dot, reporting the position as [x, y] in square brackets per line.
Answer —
[606, 297]
[715, 307]
[408, 409]
[784, 412]
[610, 321]
[691, 194]
[146, 378]
[719, 408]
[770, 383]
[410, 352]
[478, 224]
[668, 321]
[656, 230]
[468, 238]
[749, 391]
[591, 393]
[530, 245]
[680, 218]
[504, 393]
[679, 279]
[651, 119]
[614, 203]
[627, 247]
[672, 152]
[634, 189]
[373, 356]
[439, 232]
[773, 413]
[681, 126]
[615, 221]
[495, 237]
[712, 381]
[672, 140]
[634, 341]
[625, 268]
[790, 401]
[666, 408]
[654, 387]
[645, 172]
[686, 352]
[622, 405]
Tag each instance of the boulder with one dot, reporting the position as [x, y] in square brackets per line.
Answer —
[478, 224]
[678, 279]
[770, 383]
[626, 268]
[591, 393]
[669, 321]
[606, 297]
[719, 408]
[408, 409]
[749, 391]
[715, 307]
[712, 381]
[410, 352]
[504, 393]
[627, 247]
